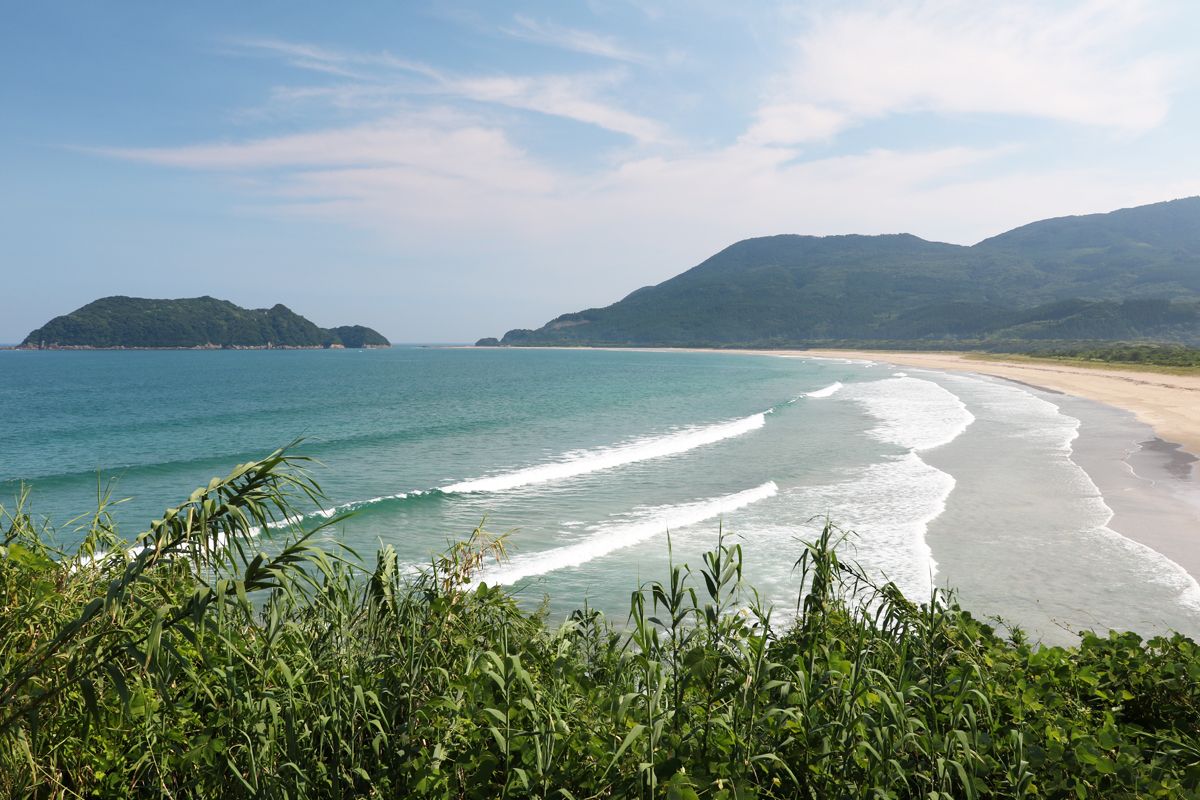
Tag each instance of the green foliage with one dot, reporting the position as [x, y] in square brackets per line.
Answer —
[357, 336]
[1105, 276]
[190, 663]
[1156, 355]
[194, 322]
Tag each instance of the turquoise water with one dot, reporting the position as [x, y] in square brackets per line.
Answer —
[589, 458]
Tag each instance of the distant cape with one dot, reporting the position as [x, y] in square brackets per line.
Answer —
[1130, 275]
[201, 323]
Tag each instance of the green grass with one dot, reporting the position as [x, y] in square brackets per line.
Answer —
[189, 663]
[1167, 359]
[1163, 359]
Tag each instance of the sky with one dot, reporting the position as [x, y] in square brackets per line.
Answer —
[444, 171]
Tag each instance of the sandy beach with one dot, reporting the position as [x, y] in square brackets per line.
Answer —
[1153, 489]
[1170, 404]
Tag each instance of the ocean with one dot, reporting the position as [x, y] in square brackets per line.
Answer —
[589, 460]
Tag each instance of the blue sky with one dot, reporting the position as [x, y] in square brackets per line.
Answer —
[445, 171]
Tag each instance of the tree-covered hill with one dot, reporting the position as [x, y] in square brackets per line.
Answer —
[135, 322]
[1132, 274]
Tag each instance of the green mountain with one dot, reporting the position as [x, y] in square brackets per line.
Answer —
[1132, 274]
[134, 322]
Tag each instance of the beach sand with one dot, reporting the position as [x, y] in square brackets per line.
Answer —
[1139, 436]
[1170, 404]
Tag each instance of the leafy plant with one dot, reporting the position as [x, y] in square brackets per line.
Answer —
[225, 652]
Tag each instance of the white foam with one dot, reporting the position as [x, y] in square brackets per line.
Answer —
[889, 506]
[891, 503]
[829, 359]
[609, 538]
[1033, 417]
[1157, 568]
[828, 391]
[327, 513]
[587, 461]
[912, 413]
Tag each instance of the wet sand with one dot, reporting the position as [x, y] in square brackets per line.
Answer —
[1138, 439]
[1170, 404]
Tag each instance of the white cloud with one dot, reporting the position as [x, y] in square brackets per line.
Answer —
[570, 97]
[361, 66]
[455, 194]
[381, 78]
[572, 39]
[1041, 60]
[794, 123]
[472, 215]
[440, 145]
[434, 176]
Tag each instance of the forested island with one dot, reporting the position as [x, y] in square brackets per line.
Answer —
[202, 323]
[1131, 275]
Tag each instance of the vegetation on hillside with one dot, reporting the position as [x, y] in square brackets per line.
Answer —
[204, 660]
[193, 322]
[1133, 274]
[357, 336]
[1169, 356]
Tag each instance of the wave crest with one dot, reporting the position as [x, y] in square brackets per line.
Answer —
[606, 539]
[587, 461]
[912, 413]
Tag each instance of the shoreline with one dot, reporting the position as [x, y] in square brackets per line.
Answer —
[1169, 404]
[1147, 483]
[1139, 437]
[1137, 442]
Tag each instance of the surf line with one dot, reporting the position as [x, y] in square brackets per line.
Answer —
[580, 462]
[916, 415]
[603, 458]
[607, 539]
[828, 391]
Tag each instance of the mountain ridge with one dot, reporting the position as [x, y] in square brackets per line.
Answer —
[1128, 274]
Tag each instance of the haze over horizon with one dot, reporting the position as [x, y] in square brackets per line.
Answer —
[452, 170]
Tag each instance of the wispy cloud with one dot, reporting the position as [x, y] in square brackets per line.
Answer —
[302, 56]
[795, 123]
[571, 97]
[456, 165]
[577, 41]
[379, 76]
[429, 165]
[342, 63]
[438, 143]
[1067, 63]
[431, 177]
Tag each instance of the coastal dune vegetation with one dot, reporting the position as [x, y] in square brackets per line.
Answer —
[229, 651]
